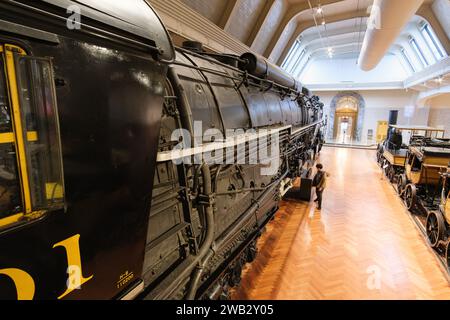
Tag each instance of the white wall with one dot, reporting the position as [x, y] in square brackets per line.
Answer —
[378, 105]
[338, 71]
[440, 112]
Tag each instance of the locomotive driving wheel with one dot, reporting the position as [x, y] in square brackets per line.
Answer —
[435, 228]
[410, 196]
[401, 184]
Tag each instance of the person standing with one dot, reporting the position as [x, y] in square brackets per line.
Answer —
[320, 183]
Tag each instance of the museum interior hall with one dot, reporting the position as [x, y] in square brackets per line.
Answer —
[225, 149]
[375, 65]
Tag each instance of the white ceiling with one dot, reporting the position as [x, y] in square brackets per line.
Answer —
[270, 27]
[337, 8]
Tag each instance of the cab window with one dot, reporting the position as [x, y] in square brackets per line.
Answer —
[10, 193]
[31, 177]
[40, 121]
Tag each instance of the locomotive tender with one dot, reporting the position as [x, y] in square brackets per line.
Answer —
[102, 195]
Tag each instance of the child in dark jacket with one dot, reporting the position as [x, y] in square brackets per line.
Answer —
[320, 183]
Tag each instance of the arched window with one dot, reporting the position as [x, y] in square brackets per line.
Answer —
[419, 52]
[407, 58]
[302, 67]
[433, 42]
[292, 63]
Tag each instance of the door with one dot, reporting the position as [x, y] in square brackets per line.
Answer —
[31, 178]
[382, 130]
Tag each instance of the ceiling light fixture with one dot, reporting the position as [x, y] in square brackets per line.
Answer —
[330, 52]
[314, 10]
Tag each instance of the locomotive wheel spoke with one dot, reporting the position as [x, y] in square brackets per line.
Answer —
[435, 228]
[410, 196]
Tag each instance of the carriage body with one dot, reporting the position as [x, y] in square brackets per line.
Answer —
[445, 198]
[438, 221]
[392, 153]
[424, 165]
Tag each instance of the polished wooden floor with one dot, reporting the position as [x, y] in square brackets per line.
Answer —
[363, 245]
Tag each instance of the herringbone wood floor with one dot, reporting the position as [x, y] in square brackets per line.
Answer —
[363, 245]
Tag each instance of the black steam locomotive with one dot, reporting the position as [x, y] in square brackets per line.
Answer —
[132, 169]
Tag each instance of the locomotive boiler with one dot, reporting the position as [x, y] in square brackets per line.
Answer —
[130, 168]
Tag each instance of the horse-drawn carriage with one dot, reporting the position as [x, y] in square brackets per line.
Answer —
[392, 153]
[438, 221]
[420, 183]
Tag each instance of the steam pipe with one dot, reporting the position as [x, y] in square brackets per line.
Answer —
[183, 104]
[209, 239]
[261, 68]
[195, 280]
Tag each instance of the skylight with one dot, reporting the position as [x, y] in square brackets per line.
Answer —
[292, 62]
[407, 59]
[419, 52]
[300, 70]
[433, 42]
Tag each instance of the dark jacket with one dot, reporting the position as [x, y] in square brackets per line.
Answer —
[320, 180]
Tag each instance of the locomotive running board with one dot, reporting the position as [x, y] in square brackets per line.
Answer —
[209, 147]
[238, 140]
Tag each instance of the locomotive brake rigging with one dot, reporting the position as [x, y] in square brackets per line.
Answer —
[94, 203]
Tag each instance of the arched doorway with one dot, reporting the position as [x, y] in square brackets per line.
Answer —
[345, 120]
[346, 116]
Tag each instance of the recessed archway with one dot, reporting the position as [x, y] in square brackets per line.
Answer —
[346, 116]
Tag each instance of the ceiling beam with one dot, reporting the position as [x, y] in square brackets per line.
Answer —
[230, 8]
[311, 37]
[340, 52]
[259, 23]
[348, 37]
[301, 27]
[292, 12]
[336, 46]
